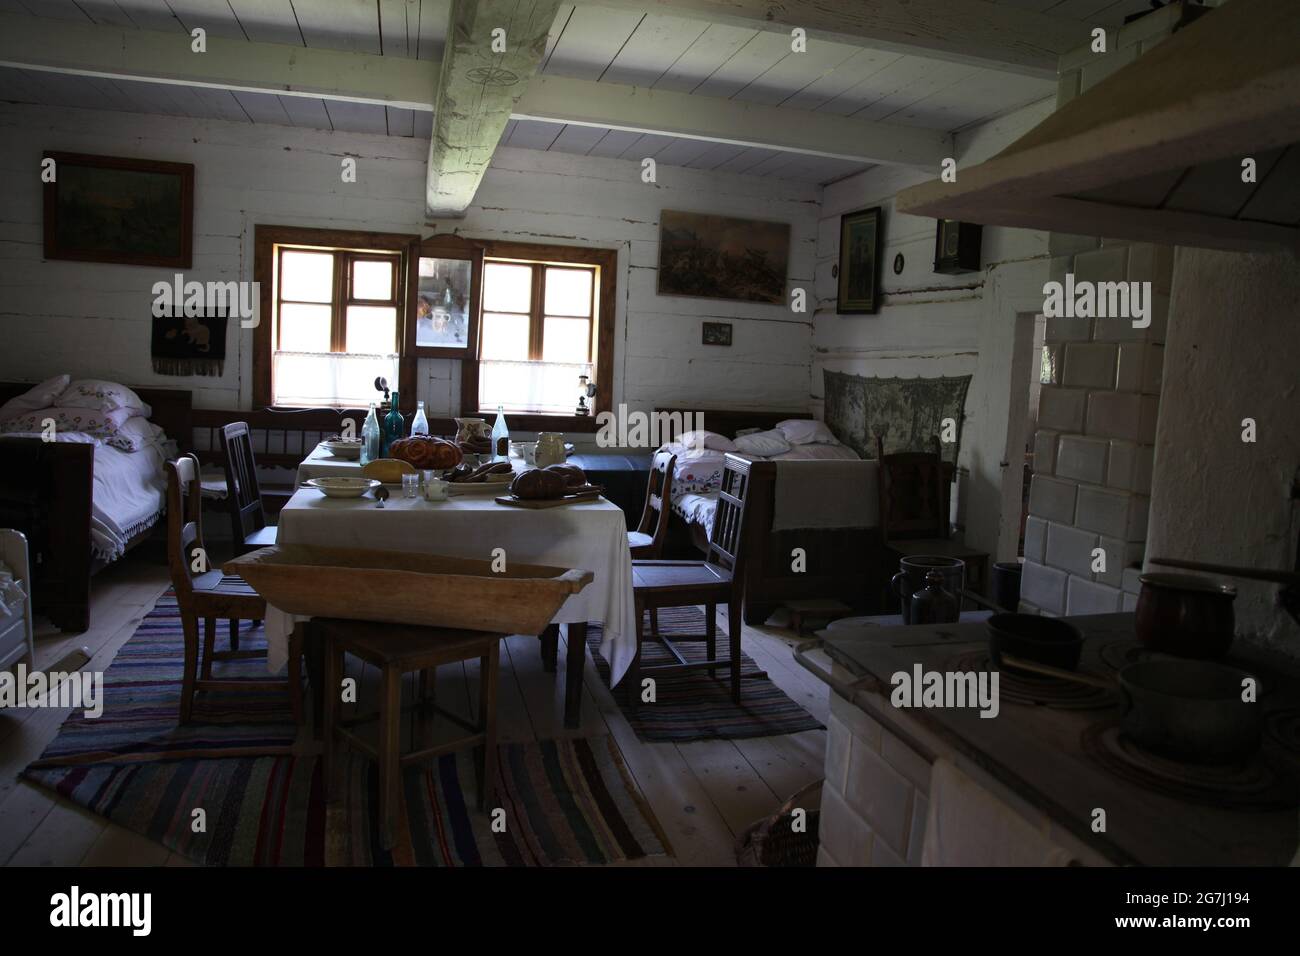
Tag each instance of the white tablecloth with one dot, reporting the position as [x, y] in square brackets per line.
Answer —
[590, 535]
[321, 464]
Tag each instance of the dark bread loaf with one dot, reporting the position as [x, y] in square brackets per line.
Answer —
[574, 477]
[538, 483]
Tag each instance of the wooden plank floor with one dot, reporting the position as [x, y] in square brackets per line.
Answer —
[704, 793]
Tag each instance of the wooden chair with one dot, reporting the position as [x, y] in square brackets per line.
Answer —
[209, 595]
[915, 501]
[248, 527]
[647, 541]
[397, 649]
[716, 580]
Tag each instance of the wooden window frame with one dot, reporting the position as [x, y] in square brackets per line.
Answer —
[604, 293]
[444, 247]
[354, 244]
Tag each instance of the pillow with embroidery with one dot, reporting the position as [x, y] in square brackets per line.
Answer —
[38, 396]
[105, 396]
[89, 421]
[135, 434]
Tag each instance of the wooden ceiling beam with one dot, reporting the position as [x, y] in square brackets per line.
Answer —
[714, 119]
[484, 73]
[996, 36]
[85, 49]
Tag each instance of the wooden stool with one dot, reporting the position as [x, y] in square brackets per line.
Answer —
[398, 649]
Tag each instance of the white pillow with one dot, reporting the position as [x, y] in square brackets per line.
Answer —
[706, 439]
[105, 396]
[38, 396]
[819, 452]
[763, 444]
[806, 431]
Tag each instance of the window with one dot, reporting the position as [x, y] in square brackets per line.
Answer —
[541, 328]
[336, 303]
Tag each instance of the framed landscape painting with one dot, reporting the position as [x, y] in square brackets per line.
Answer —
[719, 257]
[110, 209]
[859, 269]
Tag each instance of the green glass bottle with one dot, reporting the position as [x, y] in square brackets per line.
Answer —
[394, 427]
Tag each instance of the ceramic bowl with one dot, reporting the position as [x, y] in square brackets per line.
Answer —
[343, 487]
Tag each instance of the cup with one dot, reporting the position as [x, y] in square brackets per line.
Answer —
[411, 485]
[435, 489]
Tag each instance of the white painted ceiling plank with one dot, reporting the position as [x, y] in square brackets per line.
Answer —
[716, 155]
[652, 49]
[400, 122]
[762, 52]
[795, 72]
[57, 10]
[398, 27]
[578, 139]
[717, 44]
[853, 71]
[533, 134]
[681, 151]
[984, 94]
[431, 32]
[107, 12]
[151, 15]
[423, 124]
[263, 108]
[357, 117]
[268, 21]
[339, 24]
[648, 146]
[306, 112]
[613, 143]
[744, 161]
[218, 104]
[592, 38]
[937, 76]
[214, 16]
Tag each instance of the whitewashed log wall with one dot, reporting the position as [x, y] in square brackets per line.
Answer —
[93, 319]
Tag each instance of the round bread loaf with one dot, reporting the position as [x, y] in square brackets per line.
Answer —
[537, 483]
[573, 475]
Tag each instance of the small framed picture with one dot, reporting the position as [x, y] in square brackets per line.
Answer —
[859, 276]
[716, 333]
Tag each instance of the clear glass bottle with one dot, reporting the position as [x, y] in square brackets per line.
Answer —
[370, 436]
[500, 437]
[394, 427]
[419, 424]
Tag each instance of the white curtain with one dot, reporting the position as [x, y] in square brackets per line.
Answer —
[546, 387]
[331, 378]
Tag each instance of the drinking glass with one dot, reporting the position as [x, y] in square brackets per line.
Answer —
[411, 485]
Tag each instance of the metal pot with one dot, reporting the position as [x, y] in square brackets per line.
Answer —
[1045, 640]
[1187, 710]
[1185, 614]
[912, 573]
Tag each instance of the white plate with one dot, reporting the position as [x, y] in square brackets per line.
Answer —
[348, 450]
[342, 487]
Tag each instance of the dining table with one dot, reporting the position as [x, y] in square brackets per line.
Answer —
[590, 535]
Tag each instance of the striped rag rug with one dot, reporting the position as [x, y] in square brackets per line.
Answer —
[563, 801]
[695, 705]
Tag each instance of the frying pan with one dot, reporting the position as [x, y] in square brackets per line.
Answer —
[1185, 709]
[1044, 640]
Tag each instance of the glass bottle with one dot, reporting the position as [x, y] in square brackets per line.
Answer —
[419, 424]
[500, 436]
[370, 440]
[394, 427]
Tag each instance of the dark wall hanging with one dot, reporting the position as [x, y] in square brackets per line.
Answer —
[719, 257]
[716, 333]
[130, 211]
[957, 247]
[861, 236]
[189, 345]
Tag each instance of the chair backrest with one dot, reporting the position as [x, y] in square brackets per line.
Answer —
[913, 493]
[728, 543]
[658, 499]
[243, 494]
[185, 546]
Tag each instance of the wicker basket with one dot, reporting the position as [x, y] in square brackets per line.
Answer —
[772, 841]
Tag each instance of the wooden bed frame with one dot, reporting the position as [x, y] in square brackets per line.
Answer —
[45, 492]
[842, 563]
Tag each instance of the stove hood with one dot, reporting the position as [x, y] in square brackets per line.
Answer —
[1155, 151]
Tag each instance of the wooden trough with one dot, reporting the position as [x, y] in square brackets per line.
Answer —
[423, 589]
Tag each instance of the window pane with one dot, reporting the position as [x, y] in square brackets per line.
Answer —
[307, 276]
[507, 288]
[372, 280]
[329, 378]
[304, 328]
[546, 387]
[505, 336]
[568, 291]
[566, 340]
[371, 330]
